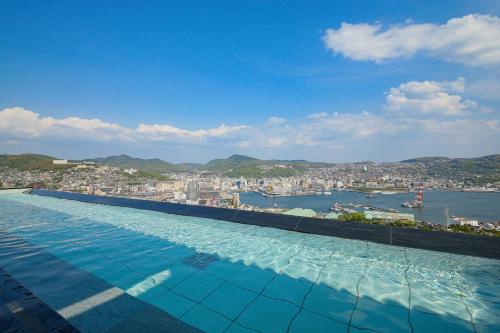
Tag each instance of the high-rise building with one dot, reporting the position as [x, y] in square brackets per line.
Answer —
[193, 191]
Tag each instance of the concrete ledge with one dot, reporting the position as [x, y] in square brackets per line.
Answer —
[480, 246]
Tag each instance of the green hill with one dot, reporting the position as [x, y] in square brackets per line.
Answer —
[478, 169]
[30, 162]
[431, 159]
[154, 165]
[233, 161]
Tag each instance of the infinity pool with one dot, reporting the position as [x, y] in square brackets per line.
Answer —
[220, 276]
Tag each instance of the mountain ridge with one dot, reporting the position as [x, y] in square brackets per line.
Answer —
[242, 165]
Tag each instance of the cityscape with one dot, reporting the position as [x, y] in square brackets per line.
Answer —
[220, 183]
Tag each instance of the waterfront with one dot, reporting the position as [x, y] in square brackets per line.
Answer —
[484, 207]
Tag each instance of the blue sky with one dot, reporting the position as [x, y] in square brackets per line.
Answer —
[195, 80]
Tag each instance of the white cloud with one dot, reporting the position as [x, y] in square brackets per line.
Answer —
[19, 122]
[168, 132]
[25, 123]
[318, 115]
[429, 98]
[276, 141]
[273, 121]
[431, 112]
[470, 40]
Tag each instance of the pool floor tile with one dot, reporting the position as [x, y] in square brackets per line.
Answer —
[237, 328]
[335, 304]
[384, 291]
[223, 269]
[229, 300]
[206, 320]
[174, 304]
[309, 322]
[120, 277]
[383, 318]
[427, 323]
[198, 286]
[253, 278]
[284, 287]
[146, 289]
[268, 315]
[178, 273]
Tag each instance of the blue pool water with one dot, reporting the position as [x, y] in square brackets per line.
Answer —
[225, 277]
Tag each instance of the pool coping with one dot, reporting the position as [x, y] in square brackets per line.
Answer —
[457, 243]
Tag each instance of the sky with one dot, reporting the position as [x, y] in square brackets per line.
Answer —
[189, 81]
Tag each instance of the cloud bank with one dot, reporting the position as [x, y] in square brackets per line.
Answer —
[426, 114]
[472, 40]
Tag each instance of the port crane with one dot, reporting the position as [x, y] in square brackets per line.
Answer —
[419, 199]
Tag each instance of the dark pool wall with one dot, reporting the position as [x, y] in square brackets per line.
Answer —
[481, 246]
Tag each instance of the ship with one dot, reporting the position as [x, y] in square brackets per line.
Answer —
[418, 202]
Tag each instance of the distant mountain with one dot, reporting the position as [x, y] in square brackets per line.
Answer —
[431, 159]
[478, 169]
[154, 165]
[30, 162]
[465, 168]
[246, 166]
[233, 161]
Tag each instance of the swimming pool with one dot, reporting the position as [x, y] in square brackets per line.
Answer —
[220, 276]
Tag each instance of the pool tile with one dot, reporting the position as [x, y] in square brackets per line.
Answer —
[427, 323]
[206, 320]
[178, 272]
[147, 288]
[335, 304]
[429, 297]
[119, 276]
[148, 265]
[268, 315]
[152, 320]
[310, 322]
[253, 278]
[229, 300]
[302, 268]
[237, 328]
[223, 269]
[377, 316]
[198, 286]
[174, 304]
[384, 291]
[340, 278]
[284, 287]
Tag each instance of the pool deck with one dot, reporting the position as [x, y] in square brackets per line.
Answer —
[89, 303]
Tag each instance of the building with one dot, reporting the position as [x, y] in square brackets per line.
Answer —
[60, 162]
[236, 200]
[193, 191]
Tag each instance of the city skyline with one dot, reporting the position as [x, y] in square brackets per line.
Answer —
[324, 82]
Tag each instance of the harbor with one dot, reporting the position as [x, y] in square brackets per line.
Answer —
[481, 206]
